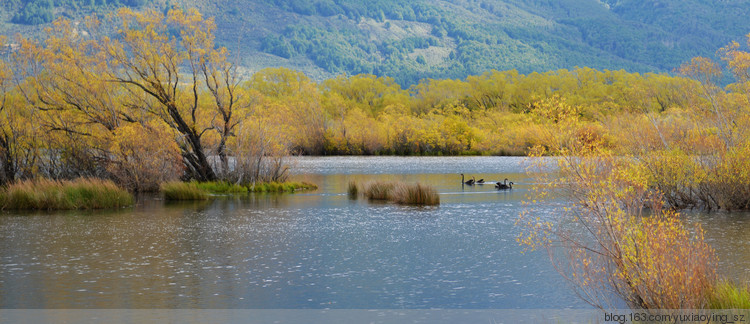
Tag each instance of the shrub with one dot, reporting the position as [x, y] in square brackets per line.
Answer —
[610, 242]
[144, 157]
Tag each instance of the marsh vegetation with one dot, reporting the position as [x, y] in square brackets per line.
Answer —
[81, 193]
[395, 191]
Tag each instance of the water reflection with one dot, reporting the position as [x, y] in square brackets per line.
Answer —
[729, 235]
[309, 250]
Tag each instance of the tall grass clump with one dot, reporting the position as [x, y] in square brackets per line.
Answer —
[414, 194]
[83, 193]
[177, 190]
[398, 192]
[378, 190]
[221, 187]
[727, 295]
[352, 190]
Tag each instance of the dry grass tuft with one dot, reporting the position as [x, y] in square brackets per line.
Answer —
[415, 194]
[83, 193]
[398, 192]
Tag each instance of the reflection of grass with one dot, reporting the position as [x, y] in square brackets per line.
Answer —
[398, 192]
[729, 296]
[78, 194]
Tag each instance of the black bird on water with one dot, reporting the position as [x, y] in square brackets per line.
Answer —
[468, 182]
[505, 185]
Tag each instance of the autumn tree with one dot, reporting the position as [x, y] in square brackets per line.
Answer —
[159, 70]
[77, 106]
[17, 153]
[293, 102]
[165, 61]
[223, 84]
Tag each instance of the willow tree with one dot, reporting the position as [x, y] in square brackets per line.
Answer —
[77, 107]
[15, 152]
[166, 62]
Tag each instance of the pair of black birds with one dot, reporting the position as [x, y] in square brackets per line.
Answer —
[498, 185]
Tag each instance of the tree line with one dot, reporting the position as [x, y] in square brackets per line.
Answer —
[159, 99]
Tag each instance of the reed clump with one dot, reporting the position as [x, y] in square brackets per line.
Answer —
[378, 190]
[83, 193]
[178, 190]
[415, 194]
[398, 192]
[352, 190]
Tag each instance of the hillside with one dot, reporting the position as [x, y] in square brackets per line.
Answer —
[411, 40]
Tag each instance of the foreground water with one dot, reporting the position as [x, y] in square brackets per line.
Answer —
[310, 250]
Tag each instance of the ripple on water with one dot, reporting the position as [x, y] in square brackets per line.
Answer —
[314, 250]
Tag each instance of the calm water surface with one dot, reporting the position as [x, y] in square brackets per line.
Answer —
[310, 250]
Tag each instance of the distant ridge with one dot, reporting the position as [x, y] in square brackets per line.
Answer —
[412, 40]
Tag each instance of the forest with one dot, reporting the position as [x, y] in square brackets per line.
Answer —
[36, 12]
[412, 40]
[161, 99]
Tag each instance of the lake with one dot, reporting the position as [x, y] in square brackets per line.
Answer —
[311, 250]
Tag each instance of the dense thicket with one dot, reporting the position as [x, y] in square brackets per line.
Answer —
[620, 233]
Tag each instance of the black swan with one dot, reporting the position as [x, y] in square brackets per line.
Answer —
[468, 182]
[505, 185]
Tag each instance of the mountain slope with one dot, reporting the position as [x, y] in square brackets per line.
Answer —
[411, 40]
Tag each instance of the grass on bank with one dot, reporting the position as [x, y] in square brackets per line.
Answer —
[178, 190]
[398, 192]
[220, 187]
[282, 187]
[727, 295]
[83, 193]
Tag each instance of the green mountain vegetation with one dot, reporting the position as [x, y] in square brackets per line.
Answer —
[412, 40]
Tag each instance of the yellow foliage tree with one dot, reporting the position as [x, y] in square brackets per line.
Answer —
[17, 129]
[151, 56]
